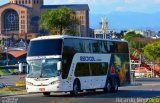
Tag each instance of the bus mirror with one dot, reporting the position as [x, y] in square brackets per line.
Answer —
[59, 66]
[20, 67]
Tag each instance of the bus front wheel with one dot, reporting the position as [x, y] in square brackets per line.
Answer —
[75, 88]
[46, 93]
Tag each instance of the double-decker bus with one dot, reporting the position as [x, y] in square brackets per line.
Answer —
[64, 63]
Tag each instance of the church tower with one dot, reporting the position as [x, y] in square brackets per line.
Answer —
[34, 4]
[30, 3]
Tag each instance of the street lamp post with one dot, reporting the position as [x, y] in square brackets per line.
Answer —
[151, 70]
[6, 47]
[7, 55]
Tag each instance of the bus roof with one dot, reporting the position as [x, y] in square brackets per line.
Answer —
[76, 37]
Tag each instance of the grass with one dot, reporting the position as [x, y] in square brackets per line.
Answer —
[8, 89]
[2, 71]
[154, 100]
[11, 71]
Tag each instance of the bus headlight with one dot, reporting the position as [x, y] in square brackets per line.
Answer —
[54, 82]
[29, 83]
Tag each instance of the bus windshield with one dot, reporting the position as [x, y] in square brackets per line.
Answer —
[42, 68]
[45, 47]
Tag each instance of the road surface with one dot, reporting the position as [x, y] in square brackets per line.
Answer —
[129, 94]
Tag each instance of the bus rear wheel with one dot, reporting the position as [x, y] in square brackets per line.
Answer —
[46, 93]
[75, 89]
[107, 87]
[115, 86]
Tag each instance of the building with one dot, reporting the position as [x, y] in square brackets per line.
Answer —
[146, 33]
[136, 31]
[149, 34]
[19, 23]
[19, 18]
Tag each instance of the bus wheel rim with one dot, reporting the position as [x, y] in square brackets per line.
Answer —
[116, 86]
[75, 89]
[108, 87]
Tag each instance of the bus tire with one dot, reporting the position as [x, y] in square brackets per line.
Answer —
[115, 86]
[76, 88]
[108, 86]
[46, 93]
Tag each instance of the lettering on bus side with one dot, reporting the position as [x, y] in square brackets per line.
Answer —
[87, 58]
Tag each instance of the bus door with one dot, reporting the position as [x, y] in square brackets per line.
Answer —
[82, 72]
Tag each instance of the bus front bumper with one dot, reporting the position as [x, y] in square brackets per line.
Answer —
[39, 89]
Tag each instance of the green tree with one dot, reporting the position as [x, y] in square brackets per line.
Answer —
[152, 51]
[59, 21]
[133, 40]
[131, 35]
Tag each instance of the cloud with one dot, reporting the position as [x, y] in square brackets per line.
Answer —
[97, 2]
[64, 1]
[129, 1]
[156, 1]
[147, 2]
[119, 8]
[99, 6]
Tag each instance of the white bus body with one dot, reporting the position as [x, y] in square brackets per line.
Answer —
[76, 64]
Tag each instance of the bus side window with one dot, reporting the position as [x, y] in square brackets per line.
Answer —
[102, 47]
[109, 46]
[115, 48]
[95, 46]
[112, 46]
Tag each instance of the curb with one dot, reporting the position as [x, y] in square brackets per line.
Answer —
[135, 84]
[153, 84]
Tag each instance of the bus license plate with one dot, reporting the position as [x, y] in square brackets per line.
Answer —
[42, 89]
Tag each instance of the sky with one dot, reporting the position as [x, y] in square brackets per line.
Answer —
[105, 8]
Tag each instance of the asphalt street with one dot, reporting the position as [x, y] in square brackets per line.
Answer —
[128, 94]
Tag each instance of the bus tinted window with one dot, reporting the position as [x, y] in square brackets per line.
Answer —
[69, 47]
[102, 47]
[117, 47]
[88, 69]
[98, 69]
[67, 55]
[86, 46]
[110, 46]
[122, 47]
[82, 69]
[45, 47]
[95, 46]
[77, 45]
